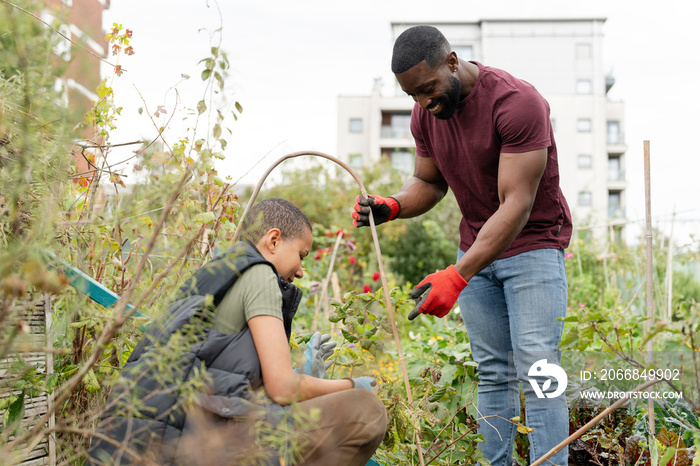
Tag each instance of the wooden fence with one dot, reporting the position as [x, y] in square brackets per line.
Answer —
[34, 324]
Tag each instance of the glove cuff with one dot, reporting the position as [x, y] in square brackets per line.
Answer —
[395, 207]
[456, 278]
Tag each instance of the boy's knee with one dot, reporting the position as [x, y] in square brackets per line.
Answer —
[371, 411]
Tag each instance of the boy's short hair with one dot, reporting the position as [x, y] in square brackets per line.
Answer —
[274, 213]
[416, 44]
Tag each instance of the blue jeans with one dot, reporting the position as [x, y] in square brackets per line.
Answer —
[510, 310]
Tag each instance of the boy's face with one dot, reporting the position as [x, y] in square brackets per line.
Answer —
[287, 254]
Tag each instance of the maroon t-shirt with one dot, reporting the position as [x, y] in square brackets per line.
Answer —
[501, 114]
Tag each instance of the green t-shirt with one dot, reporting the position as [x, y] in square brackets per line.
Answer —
[255, 293]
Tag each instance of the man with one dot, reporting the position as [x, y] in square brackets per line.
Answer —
[162, 412]
[487, 136]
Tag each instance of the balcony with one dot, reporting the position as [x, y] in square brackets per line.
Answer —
[616, 212]
[615, 138]
[394, 132]
[616, 175]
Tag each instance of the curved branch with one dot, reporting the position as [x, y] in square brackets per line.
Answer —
[385, 285]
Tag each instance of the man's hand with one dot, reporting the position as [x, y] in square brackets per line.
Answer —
[441, 291]
[383, 209]
[320, 348]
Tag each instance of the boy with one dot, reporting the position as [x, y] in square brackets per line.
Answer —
[244, 346]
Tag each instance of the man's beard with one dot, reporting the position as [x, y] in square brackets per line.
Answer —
[453, 98]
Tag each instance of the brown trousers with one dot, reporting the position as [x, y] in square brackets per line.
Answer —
[351, 426]
[346, 429]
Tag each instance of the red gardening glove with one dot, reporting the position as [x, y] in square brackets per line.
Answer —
[383, 209]
[443, 289]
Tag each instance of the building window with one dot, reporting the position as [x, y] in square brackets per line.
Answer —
[59, 86]
[614, 134]
[585, 161]
[615, 209]
[355, 160]
[355, 125]
[584, 86]
[585, 199]
[615, 171]
[583, 50]
[465, 52]
[584, 125]
[402, 161]
[61, 46]
[396, 125]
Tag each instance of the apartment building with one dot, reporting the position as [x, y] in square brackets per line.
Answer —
[563, 59]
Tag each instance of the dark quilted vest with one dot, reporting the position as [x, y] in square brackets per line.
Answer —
[152, 377]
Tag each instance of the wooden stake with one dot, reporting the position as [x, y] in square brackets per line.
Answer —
[335, 285]
[649, 273]
[669, 271]
[325, 283]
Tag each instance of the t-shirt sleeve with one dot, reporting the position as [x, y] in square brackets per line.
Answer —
[522, 122]
[255, 293]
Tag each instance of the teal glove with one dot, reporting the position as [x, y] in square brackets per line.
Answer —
[364, 382]
[320, 348]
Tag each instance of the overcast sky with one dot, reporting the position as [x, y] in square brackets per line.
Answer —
[291, 59]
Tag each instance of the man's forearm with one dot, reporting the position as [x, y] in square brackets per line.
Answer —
[417, 197]
[495, 236]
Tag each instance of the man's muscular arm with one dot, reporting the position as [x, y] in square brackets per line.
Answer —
[518, 179]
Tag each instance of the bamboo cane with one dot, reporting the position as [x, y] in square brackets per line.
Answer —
[325, 283]
[669, 271]
[385, 286]
[649, 271]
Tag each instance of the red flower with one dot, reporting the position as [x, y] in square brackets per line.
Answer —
[376, 276]
[340, 232]
[352, 259]
[367, 289]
